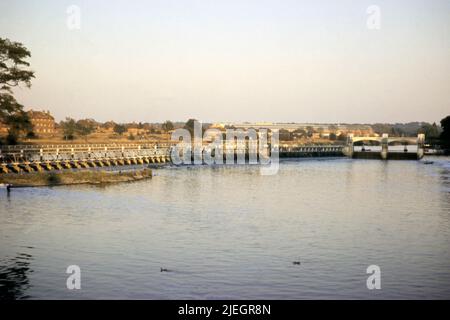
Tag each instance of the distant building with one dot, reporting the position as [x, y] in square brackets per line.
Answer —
[42, 121]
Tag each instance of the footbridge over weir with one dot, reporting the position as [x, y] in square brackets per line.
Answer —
[387, 151]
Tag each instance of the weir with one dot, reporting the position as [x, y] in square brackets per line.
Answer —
[32, 158]
[385, 142]
[245, 155]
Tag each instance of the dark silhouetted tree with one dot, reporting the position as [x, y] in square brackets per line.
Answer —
[167, 126]
[69, 128]
[13, 73]
[120, 129]
[190, 126]
[445, 134]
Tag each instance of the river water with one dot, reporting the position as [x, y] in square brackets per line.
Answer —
[227, 232]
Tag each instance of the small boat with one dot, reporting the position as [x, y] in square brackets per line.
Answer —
[428, 162]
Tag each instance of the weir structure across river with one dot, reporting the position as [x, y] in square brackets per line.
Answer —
[36, 158]
[30, 158]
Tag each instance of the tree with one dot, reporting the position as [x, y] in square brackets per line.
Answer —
[299, 133]
[69, 128]
[120, 129]
[190, 126]
[431, 131]
[309, 131]
[445, 134]
[13, 73]
[381, 128]
[85, 127]
[284, 135]
[18, 122]
[167, 126]
[109, 124]
[342, 137]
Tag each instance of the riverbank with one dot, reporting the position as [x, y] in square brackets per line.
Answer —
[95, 177]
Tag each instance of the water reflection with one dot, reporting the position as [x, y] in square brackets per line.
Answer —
[14, 277]
[444, 178]
[230, 233]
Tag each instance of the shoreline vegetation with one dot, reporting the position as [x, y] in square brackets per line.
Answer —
[45, 179]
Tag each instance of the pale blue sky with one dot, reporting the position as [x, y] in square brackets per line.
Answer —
[260, 60]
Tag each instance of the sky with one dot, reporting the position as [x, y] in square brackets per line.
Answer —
[235, 60]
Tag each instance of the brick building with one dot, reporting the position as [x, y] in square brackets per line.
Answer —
[42, 121]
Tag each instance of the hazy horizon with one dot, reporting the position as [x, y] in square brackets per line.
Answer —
[236, 61]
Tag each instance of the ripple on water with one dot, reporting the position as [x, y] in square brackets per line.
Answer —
[228, 232]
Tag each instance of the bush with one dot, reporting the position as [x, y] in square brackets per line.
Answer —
[31, 135]
[69, 137]
[53, 178]
[11, 139]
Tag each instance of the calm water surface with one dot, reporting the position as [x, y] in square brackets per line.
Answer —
[228, 232]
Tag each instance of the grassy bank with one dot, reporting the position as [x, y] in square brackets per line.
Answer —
[36, 179]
